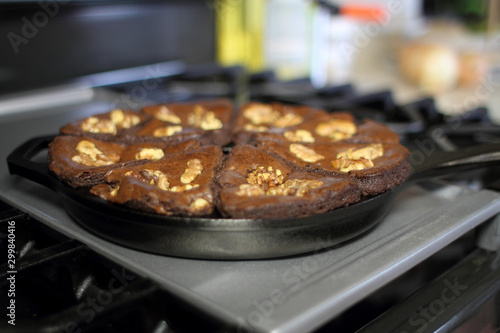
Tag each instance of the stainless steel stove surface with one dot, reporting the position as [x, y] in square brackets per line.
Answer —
[296, 294]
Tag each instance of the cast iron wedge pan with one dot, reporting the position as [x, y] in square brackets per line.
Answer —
[233, 239]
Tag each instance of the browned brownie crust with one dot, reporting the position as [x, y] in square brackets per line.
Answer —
[387, 172]
[159, 131]
[80, 171]
[146, 149]
[257, 117]
[75, 164]
[117, 126]
[180, 184]
[211, 120]
[309, 131]
[253, 184]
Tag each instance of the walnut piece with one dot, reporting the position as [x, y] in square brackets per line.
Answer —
[194, 168]
[289, 119]
[369, 152]
[167, 131]
[260, 114]
[295, 187]
[265, 177]
[304, 153]
[347, 164]
[114, 190]
[153, 154]
[249, 190]
[117, 119]
[184, 188]
[152, 177]
[164, 114]
[124, 120]
[336, 129]
[204, 119]
[267, 181]
[198, 205]
[255, 128]
[96, 125]
[88, 148]
[358, 159]
[299, 136]
[91, 156]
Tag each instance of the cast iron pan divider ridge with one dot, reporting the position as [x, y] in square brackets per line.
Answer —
[230, 239]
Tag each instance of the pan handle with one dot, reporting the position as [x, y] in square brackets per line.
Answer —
[442, 163]
[20, 161]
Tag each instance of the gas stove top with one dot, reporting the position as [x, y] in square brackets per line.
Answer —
[294, 294]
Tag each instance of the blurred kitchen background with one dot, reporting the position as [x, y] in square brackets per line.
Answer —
[447, 50]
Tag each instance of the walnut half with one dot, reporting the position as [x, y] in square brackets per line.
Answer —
[305, 154]
[153, 154]
[164, 114]
[90, 155]
[204, 119]
[358, 159]
[261, 114]
[299, 136]
[167, 131]
[96, 125]
[289, 119]
[124, 120]
[336, 129]
[194, 168]
[117, 119]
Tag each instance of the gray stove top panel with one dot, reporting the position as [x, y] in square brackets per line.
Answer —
[282, 295]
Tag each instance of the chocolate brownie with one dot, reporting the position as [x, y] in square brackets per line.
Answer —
[286, 160]
[375, 167]
[336, 127]
[83, 161]
[179, 184]
[256, 117]
[211, 118]
[254, 184]
[117, 125]
[159, 131]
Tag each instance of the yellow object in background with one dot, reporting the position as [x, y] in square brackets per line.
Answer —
[239, 29]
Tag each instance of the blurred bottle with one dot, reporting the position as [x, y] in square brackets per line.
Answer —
[239, 31]
[265, 34]
[288, 34]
